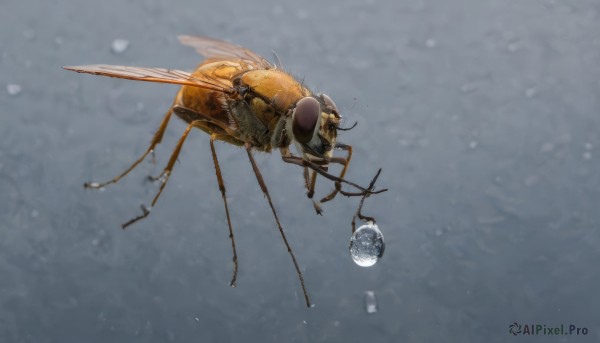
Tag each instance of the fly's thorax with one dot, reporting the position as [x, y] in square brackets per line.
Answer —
[273, 86]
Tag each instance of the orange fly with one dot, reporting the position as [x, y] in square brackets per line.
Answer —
[238, 97]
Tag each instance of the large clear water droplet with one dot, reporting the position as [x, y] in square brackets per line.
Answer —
[367, 245]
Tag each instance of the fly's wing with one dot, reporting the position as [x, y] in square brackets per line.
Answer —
[221, 50]
[161, 75]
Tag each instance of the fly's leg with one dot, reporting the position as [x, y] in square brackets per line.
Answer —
[186, 114]
[310, 185]
[164, 176]
[213, 137]
[345, 162]
[358, 213]
[265, 191]
[156, 139]
[315, 167]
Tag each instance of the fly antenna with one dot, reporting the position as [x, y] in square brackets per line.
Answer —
[348, 128]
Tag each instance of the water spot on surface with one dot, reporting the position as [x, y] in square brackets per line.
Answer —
[370, 302]
[119, 46]
[13, 89]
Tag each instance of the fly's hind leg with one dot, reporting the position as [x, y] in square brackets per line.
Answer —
[156, 139]
[164, 175]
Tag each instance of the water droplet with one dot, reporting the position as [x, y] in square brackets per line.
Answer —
[430, 43]
[29, 34]
[468, 88]
[367, 245]
[473, 144]
[588, 146]
[370, 302]
[547, 147]
[587, 155]
[35, 214]
[302, 14]
[530, 92]
[277, 10]
[119, 46]
[13, 89]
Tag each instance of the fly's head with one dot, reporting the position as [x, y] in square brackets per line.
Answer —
[315, 121]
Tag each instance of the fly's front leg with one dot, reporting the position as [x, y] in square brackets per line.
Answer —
[345, 162]
[311, 192]
[310, 180]
[315, 167]
[358, 213]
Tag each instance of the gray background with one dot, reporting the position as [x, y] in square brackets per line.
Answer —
[484, 116]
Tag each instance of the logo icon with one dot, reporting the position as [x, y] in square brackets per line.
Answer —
[514, 328]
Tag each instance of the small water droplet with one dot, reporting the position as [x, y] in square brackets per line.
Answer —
[302, 14]
[587, 155]
[304, 322]
[431, 43]
[468, 88]
[530, 92]
[473, 144]
[29, 34]
[588, 146]
[277, 10]
[35, 214]
[367, 245]
[119, 46]
[547, 147]
[370, 302]
[13, 89]
[197, 319]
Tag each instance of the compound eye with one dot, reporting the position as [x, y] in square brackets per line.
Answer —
[329, 103]
[306, 117]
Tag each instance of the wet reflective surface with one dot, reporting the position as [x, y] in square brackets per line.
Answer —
[482, 114]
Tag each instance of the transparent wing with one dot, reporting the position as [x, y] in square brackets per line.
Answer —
[161, 75]
[218, 49]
